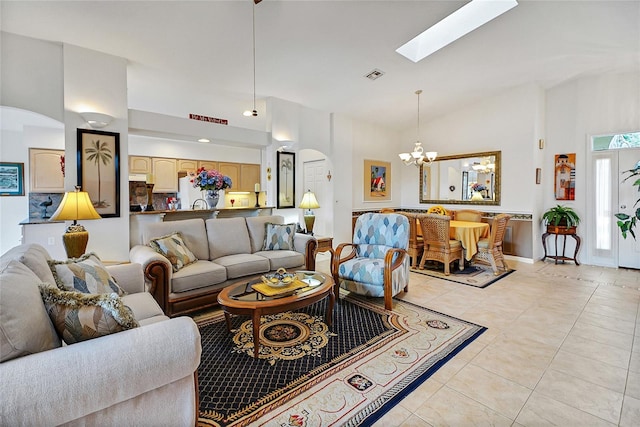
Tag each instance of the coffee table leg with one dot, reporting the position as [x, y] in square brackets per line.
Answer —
[329, 315]
[227, 318]
[256, 333]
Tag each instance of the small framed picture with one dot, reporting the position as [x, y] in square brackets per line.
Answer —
[286, 180]
[538, 175]
[377, 181]
[11, 179]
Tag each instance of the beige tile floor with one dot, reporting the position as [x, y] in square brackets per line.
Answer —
[562, 349]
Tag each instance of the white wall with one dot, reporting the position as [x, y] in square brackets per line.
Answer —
[608, 103]
[97, 82]
[31, 75]
[160, 147]
[505, 123]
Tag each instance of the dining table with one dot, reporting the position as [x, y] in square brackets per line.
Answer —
[469, 233]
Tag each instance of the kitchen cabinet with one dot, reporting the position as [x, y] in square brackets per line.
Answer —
[208, 164]
[244, 176]
[232, 170]
[45, 171]
[187, 166]
[165, 175]
[140, 164]
[249, 176]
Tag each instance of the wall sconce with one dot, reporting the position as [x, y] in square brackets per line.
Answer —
[96, 120]
[329, 175]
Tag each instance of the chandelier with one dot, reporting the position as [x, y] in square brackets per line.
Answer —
[418, 155]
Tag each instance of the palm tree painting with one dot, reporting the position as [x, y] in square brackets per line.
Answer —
[286, 180]
[98, 169]
[99, 153]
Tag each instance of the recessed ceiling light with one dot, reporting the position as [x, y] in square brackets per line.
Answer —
[203, 140]
[464, 20]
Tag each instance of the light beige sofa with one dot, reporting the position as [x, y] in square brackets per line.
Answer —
[227, 249]
[144, 376]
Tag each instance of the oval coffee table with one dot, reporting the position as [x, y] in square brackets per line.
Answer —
[242, 300]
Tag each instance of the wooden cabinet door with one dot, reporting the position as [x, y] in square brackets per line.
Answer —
[249, 176]
[140, 164]
[165, 175]
[232, 170]
[45, 171]
[188, 166]
[208, 164]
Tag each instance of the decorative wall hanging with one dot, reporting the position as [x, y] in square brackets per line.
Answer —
[377, 181]
[11, 179]
[565, 176]
[286, 180]
[99, 169]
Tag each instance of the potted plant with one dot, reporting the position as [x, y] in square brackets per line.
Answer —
[560, 217]
[625, 222]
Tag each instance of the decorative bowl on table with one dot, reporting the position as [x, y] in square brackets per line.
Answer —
[279, 279]
[311, 278]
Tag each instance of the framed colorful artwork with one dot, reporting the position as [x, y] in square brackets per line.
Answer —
[11, 179]
[99, 169]
[377, 181]
[565, 176]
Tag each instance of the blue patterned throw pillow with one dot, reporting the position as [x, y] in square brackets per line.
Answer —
[279, 237]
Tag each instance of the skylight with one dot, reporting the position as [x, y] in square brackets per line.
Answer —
[464, 20]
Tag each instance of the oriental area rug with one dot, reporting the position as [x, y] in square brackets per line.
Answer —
[308, 374]
[476, 275]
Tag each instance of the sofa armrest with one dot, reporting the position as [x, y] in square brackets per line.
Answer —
[306, 244]
[157, 273]
[128, 276]
[57, 386]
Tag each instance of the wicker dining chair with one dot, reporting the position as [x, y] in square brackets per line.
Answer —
[490, 248]
[438, 246]
[468, 215]
[416, 244]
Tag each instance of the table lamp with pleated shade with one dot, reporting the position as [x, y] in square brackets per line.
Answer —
[75, 205]
[309, 202]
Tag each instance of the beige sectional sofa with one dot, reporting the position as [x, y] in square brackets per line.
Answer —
[145, 376]
[227, 250]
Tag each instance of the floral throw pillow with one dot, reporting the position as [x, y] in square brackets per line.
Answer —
[174, 249]
[77, 316]
[85, 274]
[279, 237]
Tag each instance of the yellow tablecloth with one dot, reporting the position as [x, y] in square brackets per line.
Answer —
[270, 291]
[468, 233]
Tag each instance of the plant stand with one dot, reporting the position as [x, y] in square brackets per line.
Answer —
[564, 232]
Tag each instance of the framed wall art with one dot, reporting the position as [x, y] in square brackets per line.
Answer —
[565, 176]
[11, 179]
[377, 181]
[99, 169]
[286, 180]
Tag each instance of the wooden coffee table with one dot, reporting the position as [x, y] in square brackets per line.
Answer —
[240, 299]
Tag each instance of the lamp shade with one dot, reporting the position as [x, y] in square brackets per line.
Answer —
[309, 201]
[75, 205]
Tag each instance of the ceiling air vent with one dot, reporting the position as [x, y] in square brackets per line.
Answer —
[374, 74]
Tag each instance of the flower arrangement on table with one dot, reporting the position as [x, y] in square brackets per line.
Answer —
[478, 187]
[210, 180]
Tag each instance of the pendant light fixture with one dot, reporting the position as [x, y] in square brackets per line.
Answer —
[418, 156]
[253, 112]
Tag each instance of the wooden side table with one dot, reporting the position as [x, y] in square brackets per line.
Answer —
[325, 244]
[561, 231]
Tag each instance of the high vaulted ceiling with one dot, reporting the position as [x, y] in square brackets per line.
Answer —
[196, 56]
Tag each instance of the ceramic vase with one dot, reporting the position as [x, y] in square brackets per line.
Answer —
[212, 197]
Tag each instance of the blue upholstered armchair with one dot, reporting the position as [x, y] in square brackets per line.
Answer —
[378, 264]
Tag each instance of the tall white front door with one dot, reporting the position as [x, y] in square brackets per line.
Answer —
[314, 180]
[629, 248]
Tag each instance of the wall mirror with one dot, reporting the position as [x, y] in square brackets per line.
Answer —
[465, 179]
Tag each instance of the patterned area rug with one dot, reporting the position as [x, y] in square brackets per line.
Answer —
[310, 375]
[476, 275]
